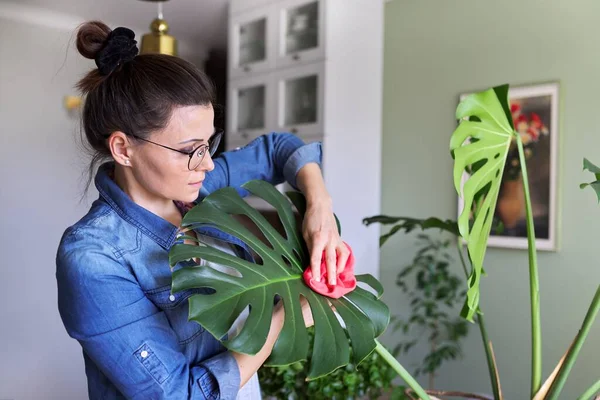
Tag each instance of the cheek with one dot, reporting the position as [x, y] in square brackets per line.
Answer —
[167, 178]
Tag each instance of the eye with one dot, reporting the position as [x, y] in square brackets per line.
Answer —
[188, 149]
[201, 151]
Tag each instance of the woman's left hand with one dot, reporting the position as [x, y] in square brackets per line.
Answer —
[320, 232]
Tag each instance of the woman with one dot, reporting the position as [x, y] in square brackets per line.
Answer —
[151, 117]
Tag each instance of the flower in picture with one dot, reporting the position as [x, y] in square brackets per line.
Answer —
[530, 126]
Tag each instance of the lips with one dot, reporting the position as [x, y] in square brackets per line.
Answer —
[195, 183]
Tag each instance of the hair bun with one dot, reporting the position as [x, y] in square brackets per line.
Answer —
[91, 38]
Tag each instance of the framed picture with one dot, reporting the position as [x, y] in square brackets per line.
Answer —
[534, 110]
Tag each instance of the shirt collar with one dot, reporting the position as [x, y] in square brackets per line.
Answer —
[158, 229]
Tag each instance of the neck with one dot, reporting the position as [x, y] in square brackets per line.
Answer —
[164, 208]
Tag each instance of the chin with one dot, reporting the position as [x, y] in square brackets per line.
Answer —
[188, 198]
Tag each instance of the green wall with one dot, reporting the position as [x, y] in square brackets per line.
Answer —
[434, 50]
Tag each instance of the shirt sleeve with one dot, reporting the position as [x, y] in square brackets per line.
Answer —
[275, 158]
[128, 338]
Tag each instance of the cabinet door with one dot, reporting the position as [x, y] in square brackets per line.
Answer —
[300, 100]
[301, 33]
[252, 41]
[251, 108]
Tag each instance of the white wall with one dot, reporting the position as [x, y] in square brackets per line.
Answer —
[41, 167]
[40, 170]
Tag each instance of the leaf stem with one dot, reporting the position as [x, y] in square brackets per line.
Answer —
[587, 395]
[559, 382]
[534, 286]
[487, 343]
[391, 360]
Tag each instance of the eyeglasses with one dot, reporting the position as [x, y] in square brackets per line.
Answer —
[197, 154]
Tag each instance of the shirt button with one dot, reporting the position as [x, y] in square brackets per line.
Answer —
[172, 298]
[144, 354]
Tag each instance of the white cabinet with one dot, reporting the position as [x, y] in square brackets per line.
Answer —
[301, 32]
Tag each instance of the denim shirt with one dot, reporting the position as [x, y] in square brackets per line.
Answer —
[114, 282]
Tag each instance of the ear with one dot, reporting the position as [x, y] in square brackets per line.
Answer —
[121, 148]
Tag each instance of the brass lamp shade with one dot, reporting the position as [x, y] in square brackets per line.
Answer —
[158, 41]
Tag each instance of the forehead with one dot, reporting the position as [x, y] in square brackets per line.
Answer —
[190, 122]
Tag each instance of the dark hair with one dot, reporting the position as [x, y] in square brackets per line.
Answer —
[138, 96]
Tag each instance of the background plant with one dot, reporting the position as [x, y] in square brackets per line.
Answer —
[433, 291]
[406, 225]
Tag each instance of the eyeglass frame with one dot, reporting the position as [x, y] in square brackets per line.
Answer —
[218, 135]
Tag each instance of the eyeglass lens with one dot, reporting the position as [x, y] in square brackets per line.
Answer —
[198, 156]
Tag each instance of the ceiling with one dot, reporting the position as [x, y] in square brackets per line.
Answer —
[201, 23]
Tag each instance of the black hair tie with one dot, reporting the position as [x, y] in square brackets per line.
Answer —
[121, 47]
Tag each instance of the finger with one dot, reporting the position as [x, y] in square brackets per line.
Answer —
[316, 254]
[331, 267]
[343, 254]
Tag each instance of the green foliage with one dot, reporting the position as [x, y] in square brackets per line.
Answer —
[482, 139]
[367, 380]
[433, 294]
[278, 273]
[408, 224]
[587, 165]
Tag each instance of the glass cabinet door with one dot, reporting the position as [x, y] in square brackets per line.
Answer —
[300, 99]
[301, 30]
[251, 107]
[251, 41]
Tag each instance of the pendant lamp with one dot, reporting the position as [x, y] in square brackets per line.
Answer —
[158, 41]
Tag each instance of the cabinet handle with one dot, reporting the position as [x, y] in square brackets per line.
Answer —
[296, 57]
[294, 130]
[244, 135]
[246, 68]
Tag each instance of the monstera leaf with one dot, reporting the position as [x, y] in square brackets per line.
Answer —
[359, 316]
[480, 146]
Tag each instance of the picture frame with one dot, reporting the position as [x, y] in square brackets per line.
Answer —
[535, 110]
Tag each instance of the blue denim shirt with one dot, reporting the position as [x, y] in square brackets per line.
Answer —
[114, 283]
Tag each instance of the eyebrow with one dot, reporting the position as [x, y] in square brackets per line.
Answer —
[191, 140]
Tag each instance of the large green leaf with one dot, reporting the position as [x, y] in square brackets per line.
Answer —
[480, 144]
[277, 273]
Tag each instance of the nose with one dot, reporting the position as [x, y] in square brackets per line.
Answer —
[207, 163]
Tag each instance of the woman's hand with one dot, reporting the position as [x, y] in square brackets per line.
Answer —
[319, 228]
[321, 235]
